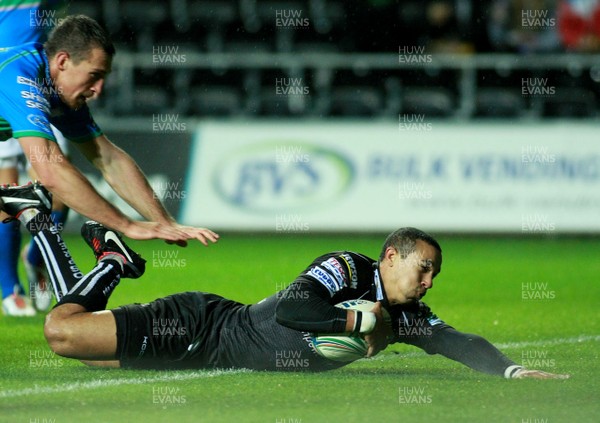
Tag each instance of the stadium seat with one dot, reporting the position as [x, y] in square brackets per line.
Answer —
[209, 21]
[141, 19]
[249, 15]
[251, 26]
[112, 16]
[153, 92]
[150, 100]
[92, 8]
[430, 101]
[393, 99]
[222, 91]
[570, 102]
[283, 92]
[327, 26]
[180, 84]
[274, 103]
[499, 102]
[215, 101]
[316, 47]
[326, 15]
[268, 11]
[180, 15]
[247, 47]
[274, 17]
[355, 101]
[212, 13]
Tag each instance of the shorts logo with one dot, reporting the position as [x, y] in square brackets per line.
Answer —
[144, 346]
[326, 279]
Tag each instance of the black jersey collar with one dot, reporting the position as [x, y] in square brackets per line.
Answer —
[378, 286]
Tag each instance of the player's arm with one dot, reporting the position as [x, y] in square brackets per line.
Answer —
[305, 306]
[124, 175]
[308, 303]
[64, 180]
[57, 174]
[473, 351]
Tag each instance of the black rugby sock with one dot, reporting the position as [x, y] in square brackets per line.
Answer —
[62, 270]
[94, 289]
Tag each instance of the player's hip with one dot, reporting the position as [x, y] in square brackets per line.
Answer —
[172, 332]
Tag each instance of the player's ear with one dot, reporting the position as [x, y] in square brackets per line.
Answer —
[61, 58]
[390, 254]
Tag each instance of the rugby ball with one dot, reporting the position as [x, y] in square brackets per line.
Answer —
[344, 347]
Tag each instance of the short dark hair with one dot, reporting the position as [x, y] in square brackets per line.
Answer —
[78, 35]
[404, 240]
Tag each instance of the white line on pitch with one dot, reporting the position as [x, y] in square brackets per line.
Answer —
[503, 346]
[95, 384]
[180, 376]
[558, 341]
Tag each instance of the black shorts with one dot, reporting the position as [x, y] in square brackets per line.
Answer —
[176, 332]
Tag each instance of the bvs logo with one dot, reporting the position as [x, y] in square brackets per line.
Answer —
[282, 177]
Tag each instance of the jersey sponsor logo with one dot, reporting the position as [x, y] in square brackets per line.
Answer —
[30, 95]
[326, 279]
[352, 269]
[35, 105]
[26, 81]
[39, 122]
[336, 269]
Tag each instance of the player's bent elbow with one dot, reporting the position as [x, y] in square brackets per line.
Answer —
[282, 313]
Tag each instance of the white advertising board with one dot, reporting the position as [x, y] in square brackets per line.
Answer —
[338, 176]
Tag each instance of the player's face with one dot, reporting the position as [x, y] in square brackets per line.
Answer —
[78, 82]
[407, 279]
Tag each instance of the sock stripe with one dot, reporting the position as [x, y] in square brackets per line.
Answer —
[96, 274]
[58, 281]
[96, 278]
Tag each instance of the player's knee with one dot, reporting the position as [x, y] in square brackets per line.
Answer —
[57, 334]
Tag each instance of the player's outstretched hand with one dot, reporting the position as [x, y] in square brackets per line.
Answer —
[538, 374]
[378, 338]
[201, 234]
[172, 233]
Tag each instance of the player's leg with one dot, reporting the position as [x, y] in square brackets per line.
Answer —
[14, 300]
[72, 331]
[37, 275]
[79, 327]
[31, 205]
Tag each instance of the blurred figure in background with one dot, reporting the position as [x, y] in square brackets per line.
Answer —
[522, 26]
[579, 25]
[24, 22]
[440, 26]
[448, 27]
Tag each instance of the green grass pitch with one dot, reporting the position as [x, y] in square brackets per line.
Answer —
[537, 299]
